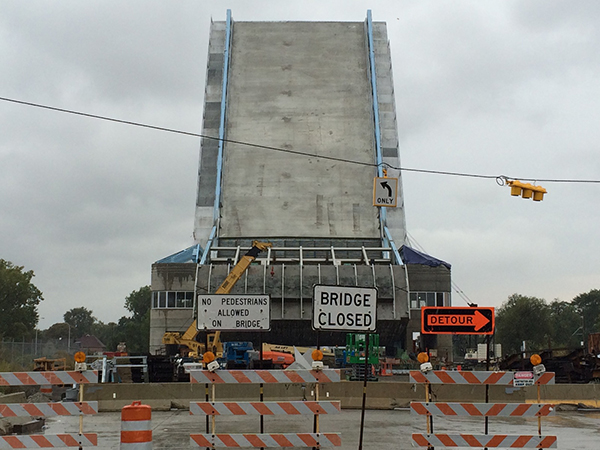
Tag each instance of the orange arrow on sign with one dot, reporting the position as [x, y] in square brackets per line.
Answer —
[477, 320]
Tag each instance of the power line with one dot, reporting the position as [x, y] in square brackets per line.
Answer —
[501, 179]
[457, 289]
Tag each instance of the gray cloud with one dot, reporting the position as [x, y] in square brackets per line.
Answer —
[494, 88]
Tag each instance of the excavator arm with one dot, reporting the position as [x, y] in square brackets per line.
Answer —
[188, 338]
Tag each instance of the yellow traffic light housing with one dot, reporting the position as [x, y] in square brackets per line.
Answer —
[515, 187]
[526, 190]
[538, 193]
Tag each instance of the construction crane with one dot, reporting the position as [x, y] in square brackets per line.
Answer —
[188, 338]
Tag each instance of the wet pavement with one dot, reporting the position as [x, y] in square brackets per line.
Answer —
[384, 429]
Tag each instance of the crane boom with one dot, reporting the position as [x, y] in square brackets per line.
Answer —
[188, 338]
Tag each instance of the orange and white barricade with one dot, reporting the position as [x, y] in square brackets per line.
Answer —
[486, 410]
[136, 427]
[316, 439]
[79, 408]
[483, 440]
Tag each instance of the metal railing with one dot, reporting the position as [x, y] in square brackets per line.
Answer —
[306, 255]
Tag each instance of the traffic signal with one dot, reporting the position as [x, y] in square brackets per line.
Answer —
[526, 190]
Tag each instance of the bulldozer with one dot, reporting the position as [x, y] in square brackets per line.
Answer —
[186, 342]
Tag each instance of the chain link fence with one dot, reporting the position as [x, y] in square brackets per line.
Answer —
[21, 354]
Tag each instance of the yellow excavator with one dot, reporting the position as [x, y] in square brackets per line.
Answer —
[188, 338]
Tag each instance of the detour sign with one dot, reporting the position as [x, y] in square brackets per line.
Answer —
[452, 320]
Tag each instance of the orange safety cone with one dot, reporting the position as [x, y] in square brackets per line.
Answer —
[136, 427]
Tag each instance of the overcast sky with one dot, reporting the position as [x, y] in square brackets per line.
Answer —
[494, 88]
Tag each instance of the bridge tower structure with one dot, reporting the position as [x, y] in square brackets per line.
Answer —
[299, 118]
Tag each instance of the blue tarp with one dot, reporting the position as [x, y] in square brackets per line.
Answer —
[412, 256]
[190, 254]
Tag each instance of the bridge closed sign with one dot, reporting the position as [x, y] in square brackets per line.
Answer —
[343, 308]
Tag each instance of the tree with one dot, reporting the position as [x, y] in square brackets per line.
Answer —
[138, 302]
[588, 306]
[81, 320]
[137, 328]
[521, 319]
[19, 299]
[566, 325]
[57, 331]
[109, 333]
[135, 334]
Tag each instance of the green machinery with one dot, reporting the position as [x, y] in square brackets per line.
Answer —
[355, 355]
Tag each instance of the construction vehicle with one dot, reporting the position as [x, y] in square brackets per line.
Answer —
[241, 355]
[284, 355]
[279, 360]
[355, 355]
[238, 355]
[280, 348]
[186, 343]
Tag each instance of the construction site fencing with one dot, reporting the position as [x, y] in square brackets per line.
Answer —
[212, 409]
[22, 352]
[485, 410]
[80, 408]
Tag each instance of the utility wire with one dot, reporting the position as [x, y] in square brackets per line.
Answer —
[500, 179]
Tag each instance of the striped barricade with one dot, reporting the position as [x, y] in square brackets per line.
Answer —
[264, 408]
[46, 379]
[49, 441]
[264, 376]
[474, 377]
[486, 410]
[482, 409]
[484, 440]
[271, 440]
[48, 409]
[316, 439]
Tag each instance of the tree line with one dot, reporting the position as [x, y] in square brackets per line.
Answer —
[19, 317]
[542, 325]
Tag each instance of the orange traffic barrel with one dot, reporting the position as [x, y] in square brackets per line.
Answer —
[136, 427]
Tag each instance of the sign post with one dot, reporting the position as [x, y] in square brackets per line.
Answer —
[455, 320]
